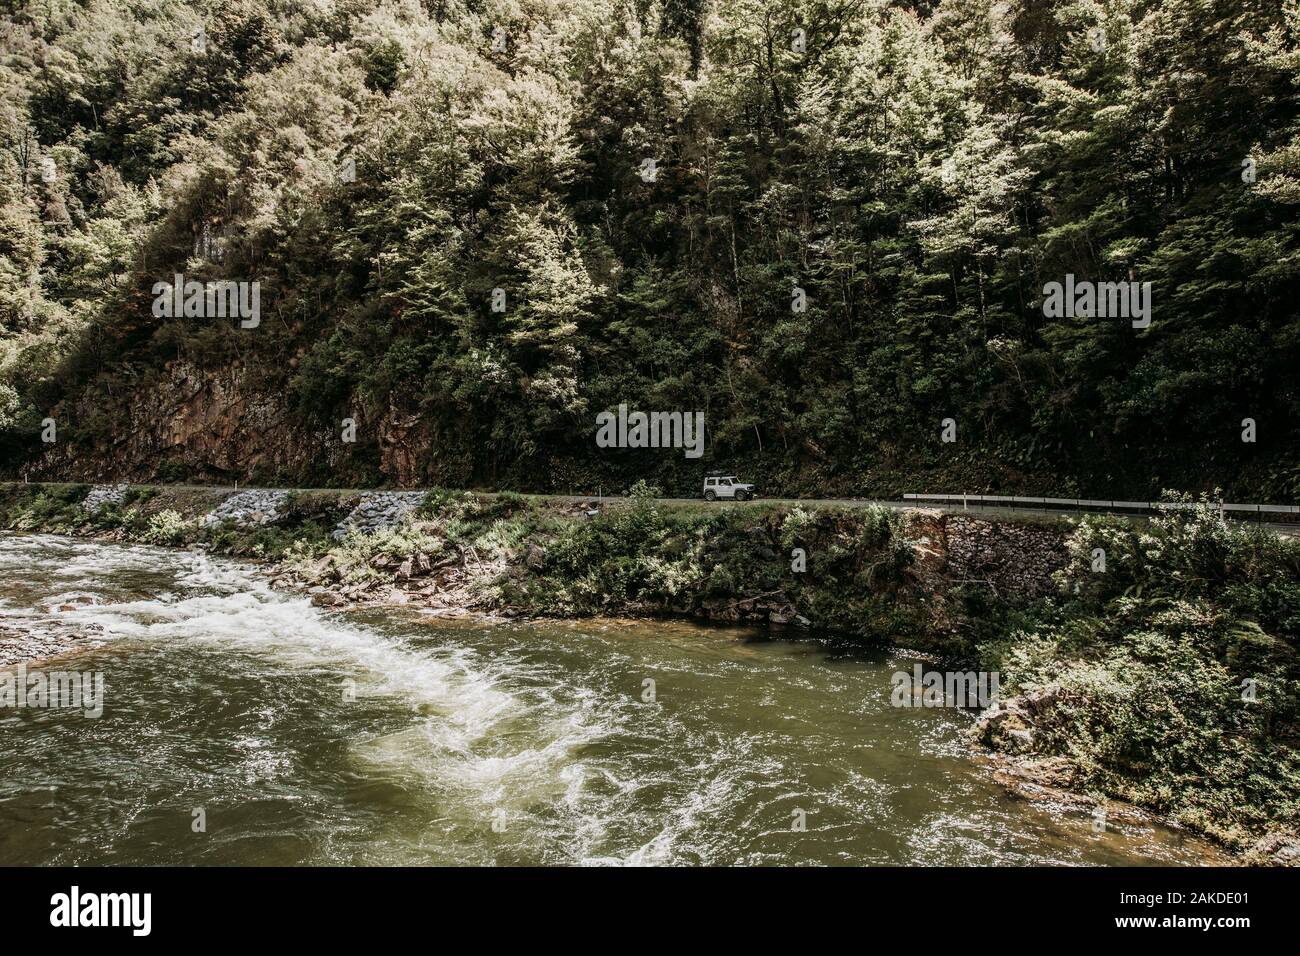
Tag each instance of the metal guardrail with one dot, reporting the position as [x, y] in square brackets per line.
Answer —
[1110, 505]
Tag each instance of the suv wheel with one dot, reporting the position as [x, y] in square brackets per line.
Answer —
[742, 495]
[710, 495]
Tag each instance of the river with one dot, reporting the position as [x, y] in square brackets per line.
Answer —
[245, 726]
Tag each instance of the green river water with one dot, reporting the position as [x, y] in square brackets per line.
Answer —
[306, 736]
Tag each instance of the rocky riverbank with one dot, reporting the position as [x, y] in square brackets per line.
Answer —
[1011, 728]
[1149, 663]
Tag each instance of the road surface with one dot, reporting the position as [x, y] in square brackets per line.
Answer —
[1287, 527]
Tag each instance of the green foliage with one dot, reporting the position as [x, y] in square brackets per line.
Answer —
[171, 470]
[364, 557]
[1180, 669]
[919, 173]
[640, 556]
[10, 405]
[50, 508]
[165, 527]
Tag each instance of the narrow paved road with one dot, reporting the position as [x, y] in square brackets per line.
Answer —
[970, 507]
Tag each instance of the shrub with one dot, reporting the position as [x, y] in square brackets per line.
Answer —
[167, 527]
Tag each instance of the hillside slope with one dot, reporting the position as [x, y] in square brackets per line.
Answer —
[828, 226]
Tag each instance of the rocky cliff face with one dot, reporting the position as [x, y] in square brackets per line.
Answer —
[198, 425]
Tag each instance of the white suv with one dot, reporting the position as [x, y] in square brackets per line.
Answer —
[726, 486]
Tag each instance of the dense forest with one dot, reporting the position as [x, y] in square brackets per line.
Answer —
[828, 225]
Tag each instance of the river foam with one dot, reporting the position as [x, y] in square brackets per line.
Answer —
[498, 749]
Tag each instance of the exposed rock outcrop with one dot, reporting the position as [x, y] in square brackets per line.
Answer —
[199, 424]
[1009, 725]
[1275, 850]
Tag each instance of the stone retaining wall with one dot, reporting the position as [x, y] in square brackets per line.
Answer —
[1016, 561]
